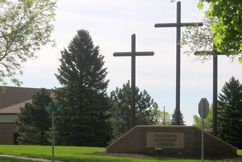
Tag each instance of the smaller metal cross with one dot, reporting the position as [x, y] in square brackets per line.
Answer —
[133, 54]
[214, 53]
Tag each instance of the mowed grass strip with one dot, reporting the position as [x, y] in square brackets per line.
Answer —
[45, 152]
[75, 154]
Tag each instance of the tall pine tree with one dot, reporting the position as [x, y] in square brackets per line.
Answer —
[230, 113]
[84, 114]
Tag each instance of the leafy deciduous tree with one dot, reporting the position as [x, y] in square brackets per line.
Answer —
[226, 28]
[25, 25]
[199, 38]
[208, 121]
[162, 118]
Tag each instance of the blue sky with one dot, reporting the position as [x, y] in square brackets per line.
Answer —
[111, 24]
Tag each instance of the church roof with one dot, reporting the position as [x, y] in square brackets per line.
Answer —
[12, 96]
[14, 109]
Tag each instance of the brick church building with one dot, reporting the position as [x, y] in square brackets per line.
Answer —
[11, 99]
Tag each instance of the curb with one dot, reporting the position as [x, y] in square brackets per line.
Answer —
[28, 158]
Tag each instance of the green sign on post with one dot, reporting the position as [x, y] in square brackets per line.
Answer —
[53, 107]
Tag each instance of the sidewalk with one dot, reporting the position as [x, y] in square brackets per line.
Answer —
[28, 158]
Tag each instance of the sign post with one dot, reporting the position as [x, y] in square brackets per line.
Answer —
[53, 107]
[203, 109]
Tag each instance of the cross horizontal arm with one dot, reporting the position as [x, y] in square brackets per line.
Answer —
[204, 53]
[148, 53]
[166, 25]
[192, 24]
[175, 24]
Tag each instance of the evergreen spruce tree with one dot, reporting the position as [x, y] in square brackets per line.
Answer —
[83, 117]
[145, 113]
[230, 113]
[177, 118]
[34, 121]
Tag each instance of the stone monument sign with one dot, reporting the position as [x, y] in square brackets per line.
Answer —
[178, 140]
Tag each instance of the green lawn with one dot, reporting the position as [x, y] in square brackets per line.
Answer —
[74, 154]
[239, 152]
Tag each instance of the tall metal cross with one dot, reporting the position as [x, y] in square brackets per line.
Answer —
[214, 53]
[178, 26]
[133, 55]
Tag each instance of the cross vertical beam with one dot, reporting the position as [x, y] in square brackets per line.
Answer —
[133, 74]
[178, 55]
[215, 93]
[133, 55]
[178, 26]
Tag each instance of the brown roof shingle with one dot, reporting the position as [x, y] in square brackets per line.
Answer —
[14, 109]
[15, 95]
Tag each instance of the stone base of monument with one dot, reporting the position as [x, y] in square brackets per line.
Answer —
[170, 140]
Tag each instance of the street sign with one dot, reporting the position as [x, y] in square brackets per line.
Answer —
[203, 108]
[53, 106]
